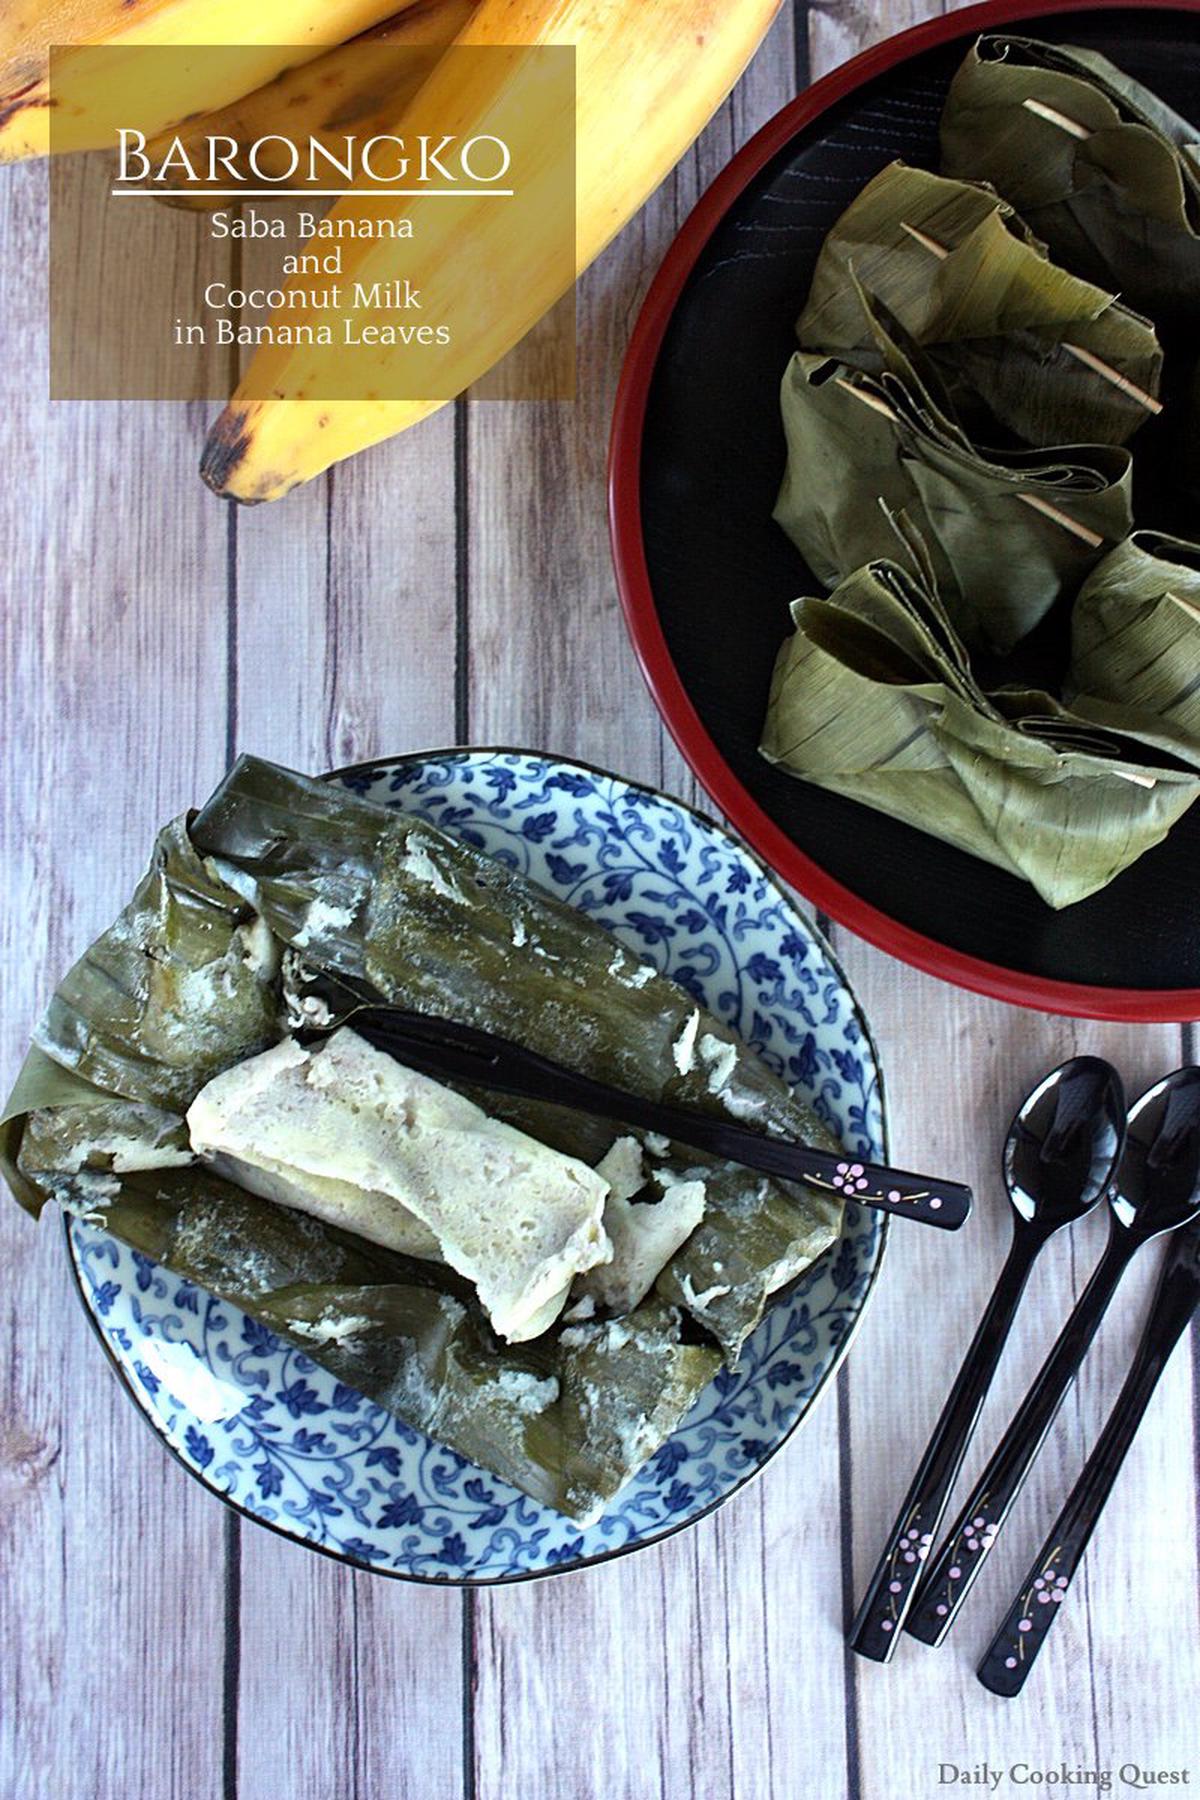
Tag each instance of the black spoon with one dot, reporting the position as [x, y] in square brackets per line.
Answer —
[1010, 1656]
[1155, 1191]
[449, 1049]
[1059, 1157]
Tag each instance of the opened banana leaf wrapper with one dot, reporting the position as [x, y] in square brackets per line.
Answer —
[1097, 166]
[1008, 532]
[500, 1273]
[1016, 342]
[873, 697]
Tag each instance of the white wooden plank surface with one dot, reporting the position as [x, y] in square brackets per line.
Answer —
[455, 585]
[111, 1569]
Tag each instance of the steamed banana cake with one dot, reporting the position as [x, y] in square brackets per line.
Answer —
[347, 1133]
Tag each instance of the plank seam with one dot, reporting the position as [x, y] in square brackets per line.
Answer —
[1077, 1284]
[231, 638]
[827, 930]
[231, 1697]
[849, 1671]
[332, 635]
[462, 725]
[468, 1695]
[730, 1709]
[462, 576]
[232, 1646]
[1189, 1037]
[803, 61]
[356, 1715]
[764, 1593]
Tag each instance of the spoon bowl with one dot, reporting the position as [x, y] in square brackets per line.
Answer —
[1157, 1185]
[1064, 1142]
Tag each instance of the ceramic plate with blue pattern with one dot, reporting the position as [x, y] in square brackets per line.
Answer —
[280, 1439]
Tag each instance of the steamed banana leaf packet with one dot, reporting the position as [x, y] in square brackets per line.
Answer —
[168, 1096]
[1135, 640]
[873, 697]
[1097, 166]
[1016, 342]
[1009, 532]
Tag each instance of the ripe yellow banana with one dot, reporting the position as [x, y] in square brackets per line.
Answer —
[91, 94]
[336, 93]
[648, 78]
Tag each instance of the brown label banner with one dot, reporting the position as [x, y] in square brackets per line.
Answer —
[368, 224]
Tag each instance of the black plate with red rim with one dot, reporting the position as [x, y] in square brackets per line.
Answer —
[706, 576]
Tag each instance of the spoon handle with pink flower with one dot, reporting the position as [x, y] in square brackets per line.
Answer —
[928, 1199]
[885, 1604]
[952, 1571]
[454, 1051]
[1013, 1650]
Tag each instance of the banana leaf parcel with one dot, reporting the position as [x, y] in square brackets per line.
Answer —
[190, 980]
[1009, 532]
[1104, 173]
[873, 697]
[1014, 340]
[1135, 640]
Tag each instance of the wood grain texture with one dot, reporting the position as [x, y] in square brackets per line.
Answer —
[455, 586]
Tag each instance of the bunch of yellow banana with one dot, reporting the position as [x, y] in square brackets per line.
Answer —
[649, 74]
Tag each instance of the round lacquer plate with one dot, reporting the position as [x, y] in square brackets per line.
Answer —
[706, 576]
[270, 1432]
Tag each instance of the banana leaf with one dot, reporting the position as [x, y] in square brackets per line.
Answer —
[1014, 340]
[183, 984]
[565, 1422]
[430, 924]
[1135, 640]
[873, 697]
[1009, 533]
[1114, 192]
[412, 1338]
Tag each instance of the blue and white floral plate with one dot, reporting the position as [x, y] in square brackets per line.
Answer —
[280, 1439]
